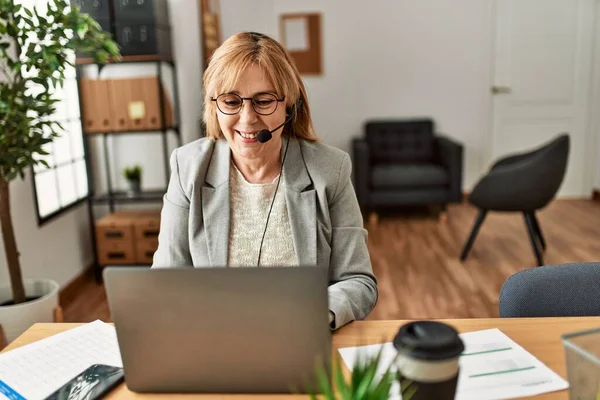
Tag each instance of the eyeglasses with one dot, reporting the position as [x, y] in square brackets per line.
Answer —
[262, 103]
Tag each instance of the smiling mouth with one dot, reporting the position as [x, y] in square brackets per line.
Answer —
[247, 135]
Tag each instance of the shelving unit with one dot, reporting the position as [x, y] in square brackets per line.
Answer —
[112, 197]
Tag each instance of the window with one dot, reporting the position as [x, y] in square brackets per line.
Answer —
[64, 184]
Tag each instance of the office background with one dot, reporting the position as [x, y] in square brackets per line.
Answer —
[392, 60]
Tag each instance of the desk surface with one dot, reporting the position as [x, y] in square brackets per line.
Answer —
[539, 336]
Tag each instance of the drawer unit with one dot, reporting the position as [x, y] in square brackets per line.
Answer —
[125, 238]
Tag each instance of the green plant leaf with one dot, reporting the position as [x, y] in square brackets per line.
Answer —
[340, 384]
[368, 376]
[27, 116]
[324, 384]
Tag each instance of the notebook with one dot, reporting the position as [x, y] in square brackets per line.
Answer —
[36, 370]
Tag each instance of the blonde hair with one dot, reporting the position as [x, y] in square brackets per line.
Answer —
[236, 54]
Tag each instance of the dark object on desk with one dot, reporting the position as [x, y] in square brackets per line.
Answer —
[428, 353]
[403, 163]
[522, 183]
[221, 330]
[93, 383]
[563, 290]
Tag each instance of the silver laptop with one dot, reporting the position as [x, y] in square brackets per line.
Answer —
[220, 330]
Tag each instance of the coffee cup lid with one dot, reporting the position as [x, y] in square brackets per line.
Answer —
[429, 340]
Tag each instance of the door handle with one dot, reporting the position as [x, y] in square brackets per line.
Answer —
[501, 90]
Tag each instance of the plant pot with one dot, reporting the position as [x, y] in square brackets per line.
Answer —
[16, 319]
[133, 188]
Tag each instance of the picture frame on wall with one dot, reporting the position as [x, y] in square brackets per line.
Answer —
[301, 36]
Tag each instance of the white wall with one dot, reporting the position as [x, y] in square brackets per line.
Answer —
[61, 249]
[392, 59]
[597, 181]
[595, 104]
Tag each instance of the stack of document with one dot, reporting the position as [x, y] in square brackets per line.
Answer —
[492, 367]
[37, 370]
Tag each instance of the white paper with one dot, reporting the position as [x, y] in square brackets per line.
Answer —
[296, 34]
[36, 370]
[492, 367]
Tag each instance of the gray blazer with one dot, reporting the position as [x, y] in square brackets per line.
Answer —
[325, 219]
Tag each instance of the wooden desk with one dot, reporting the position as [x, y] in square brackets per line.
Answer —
[539, 336]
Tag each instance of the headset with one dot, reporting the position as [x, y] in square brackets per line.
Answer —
[264, 136]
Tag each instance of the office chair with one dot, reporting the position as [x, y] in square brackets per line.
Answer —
[522, 183]
[563, 290]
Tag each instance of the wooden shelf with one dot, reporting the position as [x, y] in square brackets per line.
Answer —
[135, 131]
[127, 59]
[124, 197]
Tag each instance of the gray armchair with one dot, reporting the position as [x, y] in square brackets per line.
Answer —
[521, 183]
[565, 290]
[403, 162]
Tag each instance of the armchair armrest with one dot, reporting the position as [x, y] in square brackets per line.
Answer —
[361, 160]
[449, 154]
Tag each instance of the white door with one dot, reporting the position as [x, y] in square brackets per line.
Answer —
[541, 82]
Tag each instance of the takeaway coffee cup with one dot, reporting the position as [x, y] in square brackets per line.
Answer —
[428, 353]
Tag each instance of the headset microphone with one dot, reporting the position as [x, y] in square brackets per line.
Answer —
[265, 135]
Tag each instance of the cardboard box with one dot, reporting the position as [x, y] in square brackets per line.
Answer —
[145, 251]
[146, 227]
[96, 114]
[115, 239]
[127, 237]
[122, 105]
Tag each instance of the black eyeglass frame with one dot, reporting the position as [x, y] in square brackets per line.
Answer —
[247, 98]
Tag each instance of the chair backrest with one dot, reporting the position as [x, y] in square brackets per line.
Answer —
[400, 141]
[564, 290]
[548, 169]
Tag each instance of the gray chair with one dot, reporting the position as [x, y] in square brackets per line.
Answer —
[564, 290]
[406, 162]
[522, 183]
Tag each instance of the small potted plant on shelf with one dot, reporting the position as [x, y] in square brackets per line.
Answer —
[133, 175]
[35, 50]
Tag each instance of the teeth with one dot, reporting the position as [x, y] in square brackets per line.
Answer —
[248, 135]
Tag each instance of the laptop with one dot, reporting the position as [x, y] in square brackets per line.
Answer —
[221, 330]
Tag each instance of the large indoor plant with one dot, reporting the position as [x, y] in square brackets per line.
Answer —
[34, 55]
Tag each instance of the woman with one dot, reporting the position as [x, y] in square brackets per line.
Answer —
[238, 198]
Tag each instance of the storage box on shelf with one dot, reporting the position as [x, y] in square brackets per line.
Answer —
[115, 239]
[140, 38]
[146, 11]
[146, 229]
[127, 237]
[140, 27]
[123, 105]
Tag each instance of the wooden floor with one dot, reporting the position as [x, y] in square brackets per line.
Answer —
[416, 260]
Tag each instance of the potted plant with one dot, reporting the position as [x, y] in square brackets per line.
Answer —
[370, 380]
[33, 58]
[133, 175]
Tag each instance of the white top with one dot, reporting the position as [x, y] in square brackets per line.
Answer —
[249, 206]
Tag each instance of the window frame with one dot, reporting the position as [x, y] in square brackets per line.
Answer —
[66, 120]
